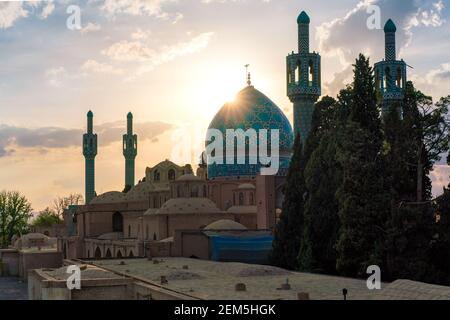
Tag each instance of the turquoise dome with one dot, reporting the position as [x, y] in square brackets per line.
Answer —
[390, 26]
[303, 18]
[251, 110]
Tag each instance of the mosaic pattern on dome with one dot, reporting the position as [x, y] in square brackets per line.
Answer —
[251, 110]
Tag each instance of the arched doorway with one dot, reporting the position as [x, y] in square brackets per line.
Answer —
[119, 254]
[131, 255]
[108, 254]
[98, 253]
[117, 222]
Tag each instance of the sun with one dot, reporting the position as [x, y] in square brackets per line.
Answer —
[213, 86]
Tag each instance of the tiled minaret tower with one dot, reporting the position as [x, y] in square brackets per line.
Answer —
[129, 152]
[390, 74]
[303, 79]
[89, 152]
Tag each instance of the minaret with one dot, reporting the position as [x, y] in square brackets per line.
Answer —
[89, 152]
[303, 79]
[129, 152]
[390, 74]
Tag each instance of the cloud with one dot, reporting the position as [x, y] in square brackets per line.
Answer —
[92, 66]
[47, 10]
[349, 35]
[55, 76]
[10, 12]
[90, 27]
[45, 138]
[138, 50]
[128, 51]
[440, 176]
[152, 8]
[169, 53]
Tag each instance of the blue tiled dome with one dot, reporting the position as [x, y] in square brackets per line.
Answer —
[251, 110]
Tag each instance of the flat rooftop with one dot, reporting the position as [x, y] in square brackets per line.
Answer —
[216, 280]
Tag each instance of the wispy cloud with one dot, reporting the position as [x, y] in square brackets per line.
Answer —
[45, 138]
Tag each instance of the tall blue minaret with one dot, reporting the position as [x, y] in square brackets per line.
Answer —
[303, 79]
[129, 152]
[390, 74]
[89, 152]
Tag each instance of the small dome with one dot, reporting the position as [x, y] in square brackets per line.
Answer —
[109, 197]
[188, 205]
[303, 18]
[140, 192]
[188, 177]
[225, 225]
[390, 26]
[129, 115]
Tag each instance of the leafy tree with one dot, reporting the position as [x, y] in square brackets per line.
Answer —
[288, 232]
[15, 211]
[47, 218]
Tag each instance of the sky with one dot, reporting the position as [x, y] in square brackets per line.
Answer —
[174, 63]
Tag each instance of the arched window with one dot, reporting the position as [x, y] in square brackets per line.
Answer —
[179, 192]
[310, 73]
[98, 253]
[171, 175]
[117, 222]
[252, 200]
[399, 78]
[387, 78]
[156, 176]
[108, 253]
[241, 198]
[129, 231]
[298, 73]
[119, 254]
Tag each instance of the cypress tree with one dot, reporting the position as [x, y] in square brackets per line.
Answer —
[322, 177]
[362, 197]
[288, 232]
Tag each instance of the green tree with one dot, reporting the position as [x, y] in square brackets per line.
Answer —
[47, 218]
[15, 211]
[288, 232]
[322, 178]
[361, 197]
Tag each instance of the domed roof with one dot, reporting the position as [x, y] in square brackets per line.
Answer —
[188, 205]
[390, 26]
[109, 197]
[251, 110]
[140, 192]
[188, 177]
[225, 225]
[303, 18]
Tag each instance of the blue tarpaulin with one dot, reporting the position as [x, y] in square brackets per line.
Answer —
[242, 248]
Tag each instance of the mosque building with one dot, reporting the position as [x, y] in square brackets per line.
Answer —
[225, 211]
